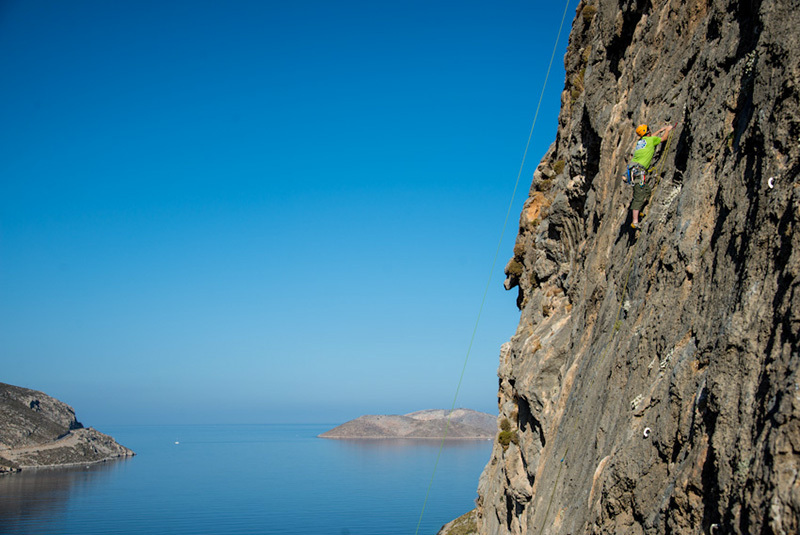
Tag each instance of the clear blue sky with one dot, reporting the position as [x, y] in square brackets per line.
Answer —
[261, 211]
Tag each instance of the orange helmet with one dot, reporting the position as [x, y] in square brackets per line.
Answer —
[641, 130]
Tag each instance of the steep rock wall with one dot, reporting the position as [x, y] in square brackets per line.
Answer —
[652, 385]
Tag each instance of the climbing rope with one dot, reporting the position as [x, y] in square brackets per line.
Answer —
[491, 271]
[660, 166]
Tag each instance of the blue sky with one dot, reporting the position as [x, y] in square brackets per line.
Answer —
[257, 211]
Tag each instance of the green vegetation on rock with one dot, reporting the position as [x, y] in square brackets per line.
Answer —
[506, 435]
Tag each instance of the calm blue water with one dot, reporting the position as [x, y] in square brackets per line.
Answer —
[271, 479]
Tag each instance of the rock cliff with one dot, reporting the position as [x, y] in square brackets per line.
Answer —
[428, 424]
[652, 385]
[37, 430]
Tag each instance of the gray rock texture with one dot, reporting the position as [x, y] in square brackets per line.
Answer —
[652, 385]
[37, 430]
[428, 424]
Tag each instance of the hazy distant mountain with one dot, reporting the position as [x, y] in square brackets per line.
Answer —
[428, 424]
[38, 430]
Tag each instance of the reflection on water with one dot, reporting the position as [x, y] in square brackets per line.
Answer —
[390, 445]
[466, 443]
[277, 480]
[37, 494]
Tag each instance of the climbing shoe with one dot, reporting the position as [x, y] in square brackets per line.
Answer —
[636, 226]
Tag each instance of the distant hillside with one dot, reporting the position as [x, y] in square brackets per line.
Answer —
[37, 430]
[428, 424]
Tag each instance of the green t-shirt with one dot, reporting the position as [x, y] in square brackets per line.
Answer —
[645, 148]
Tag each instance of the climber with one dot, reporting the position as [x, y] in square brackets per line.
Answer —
[640, 166]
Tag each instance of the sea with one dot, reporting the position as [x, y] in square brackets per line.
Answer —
[253, 479]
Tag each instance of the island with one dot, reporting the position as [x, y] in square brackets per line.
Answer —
[37, 430]
[459, 424]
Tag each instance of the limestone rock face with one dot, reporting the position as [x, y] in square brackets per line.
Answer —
[38, 430]
[463, 424]
[652, 385]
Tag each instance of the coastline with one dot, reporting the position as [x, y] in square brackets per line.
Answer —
[79, 447]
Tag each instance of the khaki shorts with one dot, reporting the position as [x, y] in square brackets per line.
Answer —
[640, 195]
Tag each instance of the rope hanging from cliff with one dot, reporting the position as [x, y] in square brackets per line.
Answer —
[494, 265]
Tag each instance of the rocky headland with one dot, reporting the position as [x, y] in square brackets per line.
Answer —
[653, 382]
[427, 424]
[37, 430]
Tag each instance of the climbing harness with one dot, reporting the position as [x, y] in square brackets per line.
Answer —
[636, 174]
